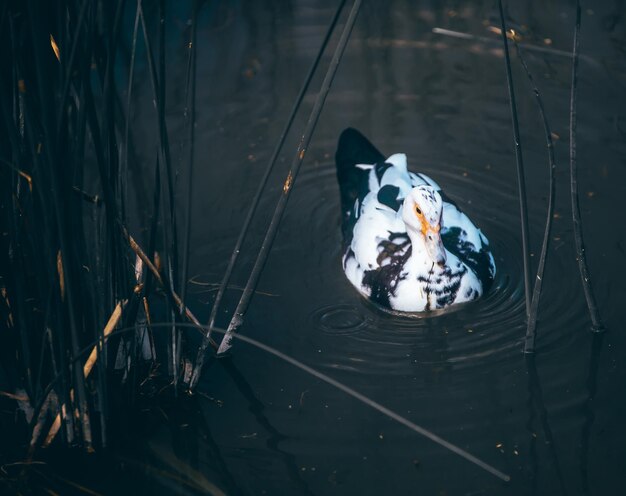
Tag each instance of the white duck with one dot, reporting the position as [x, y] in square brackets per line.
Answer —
[407, 247]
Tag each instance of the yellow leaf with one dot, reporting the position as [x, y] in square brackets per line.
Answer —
[55, 48]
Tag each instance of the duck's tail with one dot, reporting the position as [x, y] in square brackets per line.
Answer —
[353, 150]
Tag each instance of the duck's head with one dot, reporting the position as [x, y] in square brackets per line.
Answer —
[422, 213]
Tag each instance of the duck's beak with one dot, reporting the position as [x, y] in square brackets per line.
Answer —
[435, 247]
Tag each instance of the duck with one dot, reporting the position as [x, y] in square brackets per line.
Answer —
[407, 247]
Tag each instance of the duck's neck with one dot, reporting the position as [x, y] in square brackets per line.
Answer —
[419, 253]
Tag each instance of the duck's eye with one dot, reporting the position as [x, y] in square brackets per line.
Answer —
[417, 209]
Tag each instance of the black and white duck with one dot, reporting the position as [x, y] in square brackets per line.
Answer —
[407, 246]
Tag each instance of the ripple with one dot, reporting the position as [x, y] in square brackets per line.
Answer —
[478, 334]
[341, 319]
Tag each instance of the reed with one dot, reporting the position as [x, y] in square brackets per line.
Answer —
[71, 272]
[531, 328]
[256, 407]
[243, 232]
[581, 257]
[190, 115]
[78, 286]
[270, 234]
[521, 179]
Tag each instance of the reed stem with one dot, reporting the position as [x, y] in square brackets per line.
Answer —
[270, 235]
[88, 366]
[529, 343]
[581, 258]
[521, 181]
[257, 197]
[190, 114]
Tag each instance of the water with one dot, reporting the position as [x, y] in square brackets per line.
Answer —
[258, 425]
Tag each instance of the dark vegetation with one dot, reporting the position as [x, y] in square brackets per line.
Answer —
[81, 253]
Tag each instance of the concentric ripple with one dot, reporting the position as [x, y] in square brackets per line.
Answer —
[341, 319]
[472, 335]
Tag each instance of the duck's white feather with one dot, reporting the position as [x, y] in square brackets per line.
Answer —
[378, 261]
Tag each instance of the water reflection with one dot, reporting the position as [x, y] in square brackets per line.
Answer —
[442, 101]
[536, 406]
[589, 409]
[257, 408]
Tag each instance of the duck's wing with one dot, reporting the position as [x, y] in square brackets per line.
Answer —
[462, 238]
[377, 221]
[379, 246]
[373, 218]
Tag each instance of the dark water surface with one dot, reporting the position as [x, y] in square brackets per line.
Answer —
[555, 424]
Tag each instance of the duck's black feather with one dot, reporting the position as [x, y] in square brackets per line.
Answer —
[388, 195]
[380, 168]
[454, 239]
[382, 280]
[353, 148]
[447, 199]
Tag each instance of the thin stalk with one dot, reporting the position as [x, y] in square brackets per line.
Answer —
[13, 209]
[158, 87]
[89, 107]
[164, 284]
[529, 344]
[89, 364]
[173, 350]
[190, 113]
[164, 146]
[594, 313]
[129, 93]
[521, 181]
[55, 184]
[156, 202]
[119, 271]
[120, 281]
[38, 424]
[526, 46]
[244, 302]
[69, 63]
[172, 253]
[169, 242]
[259, 192]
